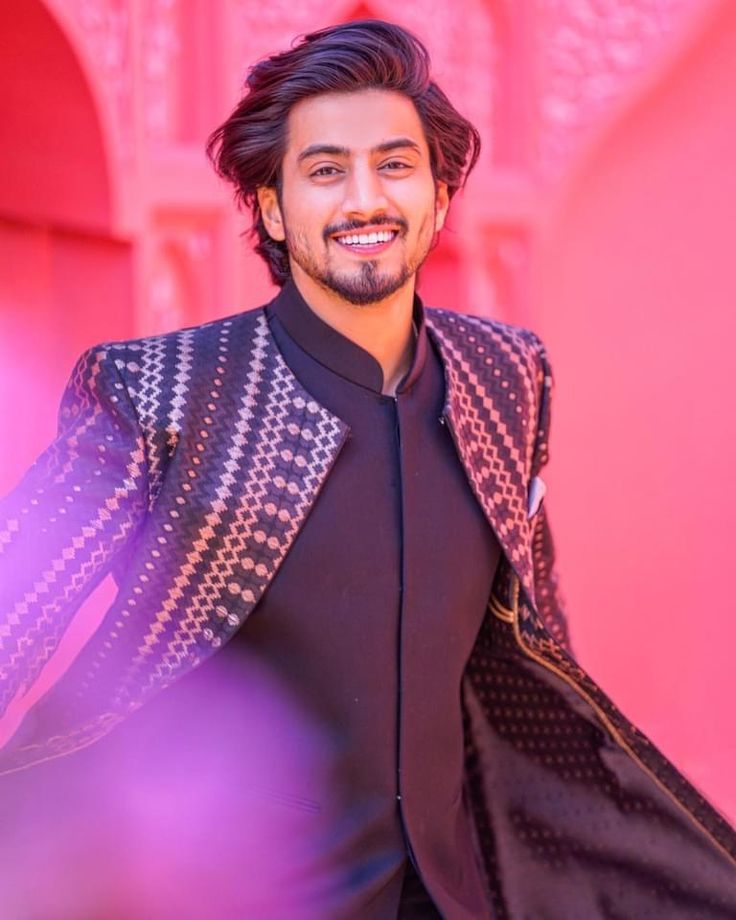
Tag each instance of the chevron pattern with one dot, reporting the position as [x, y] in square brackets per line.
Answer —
[493, 399]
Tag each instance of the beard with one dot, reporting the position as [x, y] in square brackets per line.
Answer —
[366, 283]
[364, 286]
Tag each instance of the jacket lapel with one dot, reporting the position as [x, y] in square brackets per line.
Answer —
[489, 408]
[265, 461]
[255, 449]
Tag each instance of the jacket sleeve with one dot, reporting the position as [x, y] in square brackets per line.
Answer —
[550, 601]
[72, 513]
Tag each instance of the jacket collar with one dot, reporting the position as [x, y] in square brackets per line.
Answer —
[337, 352]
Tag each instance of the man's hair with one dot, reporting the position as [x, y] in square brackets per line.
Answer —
[248, 148]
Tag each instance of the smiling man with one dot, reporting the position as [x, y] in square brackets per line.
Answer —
[339, 494]
[358, 207]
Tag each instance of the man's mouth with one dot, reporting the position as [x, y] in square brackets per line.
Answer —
[369, 242]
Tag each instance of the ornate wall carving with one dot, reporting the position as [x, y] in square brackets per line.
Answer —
[160, 68]
[463, 58]
[541, 74]
[106, 29]
[590, 50]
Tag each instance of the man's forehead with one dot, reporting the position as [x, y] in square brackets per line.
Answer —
[359, 121]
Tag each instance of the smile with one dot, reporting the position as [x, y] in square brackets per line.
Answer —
[375, 241]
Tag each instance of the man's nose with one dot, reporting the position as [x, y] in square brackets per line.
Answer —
[364, 193]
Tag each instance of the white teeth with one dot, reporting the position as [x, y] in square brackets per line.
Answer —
[366, 239]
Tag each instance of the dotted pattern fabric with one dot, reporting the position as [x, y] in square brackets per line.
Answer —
[572, 827]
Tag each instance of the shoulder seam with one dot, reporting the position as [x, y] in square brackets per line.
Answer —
[242, 316]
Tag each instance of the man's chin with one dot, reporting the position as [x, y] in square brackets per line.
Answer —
[363, 292]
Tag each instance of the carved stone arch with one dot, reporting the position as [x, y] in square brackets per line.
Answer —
[55, 168]
[71, 278]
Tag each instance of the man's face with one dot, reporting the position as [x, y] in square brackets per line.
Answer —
[359, 206]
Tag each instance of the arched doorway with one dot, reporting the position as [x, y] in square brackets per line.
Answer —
[68, 281]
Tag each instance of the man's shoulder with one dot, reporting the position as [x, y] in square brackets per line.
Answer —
[195, 336]
[468, 331]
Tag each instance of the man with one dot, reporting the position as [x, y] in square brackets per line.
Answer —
[342, 489]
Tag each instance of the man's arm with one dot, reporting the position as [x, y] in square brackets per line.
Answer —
[71, 514]
[546, 587]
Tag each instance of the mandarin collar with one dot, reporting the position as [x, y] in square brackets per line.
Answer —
[335, 351]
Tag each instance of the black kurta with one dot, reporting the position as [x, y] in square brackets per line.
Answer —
[371, 618]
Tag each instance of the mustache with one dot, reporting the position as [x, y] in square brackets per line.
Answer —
[351, 226]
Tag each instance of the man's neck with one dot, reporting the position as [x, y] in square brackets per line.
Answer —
[383, 329]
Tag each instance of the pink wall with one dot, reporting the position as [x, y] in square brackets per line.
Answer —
[637, 289]
[599, 214]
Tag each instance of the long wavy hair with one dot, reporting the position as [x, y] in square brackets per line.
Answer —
[249, 147]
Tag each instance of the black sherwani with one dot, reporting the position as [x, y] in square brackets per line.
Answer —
[188, 464]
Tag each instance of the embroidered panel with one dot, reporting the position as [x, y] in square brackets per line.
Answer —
[492, 406]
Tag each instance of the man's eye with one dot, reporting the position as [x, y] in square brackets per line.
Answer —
[325, 171]
[395, 165]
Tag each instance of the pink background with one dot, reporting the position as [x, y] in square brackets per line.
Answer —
[601, 215]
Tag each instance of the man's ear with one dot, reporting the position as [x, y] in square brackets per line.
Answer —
[442, 205]
[268, 202]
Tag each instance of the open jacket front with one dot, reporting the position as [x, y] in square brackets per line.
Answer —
[187, 463]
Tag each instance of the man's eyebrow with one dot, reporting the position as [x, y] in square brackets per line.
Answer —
[334, 150]
[397, 144]
[317, 149]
